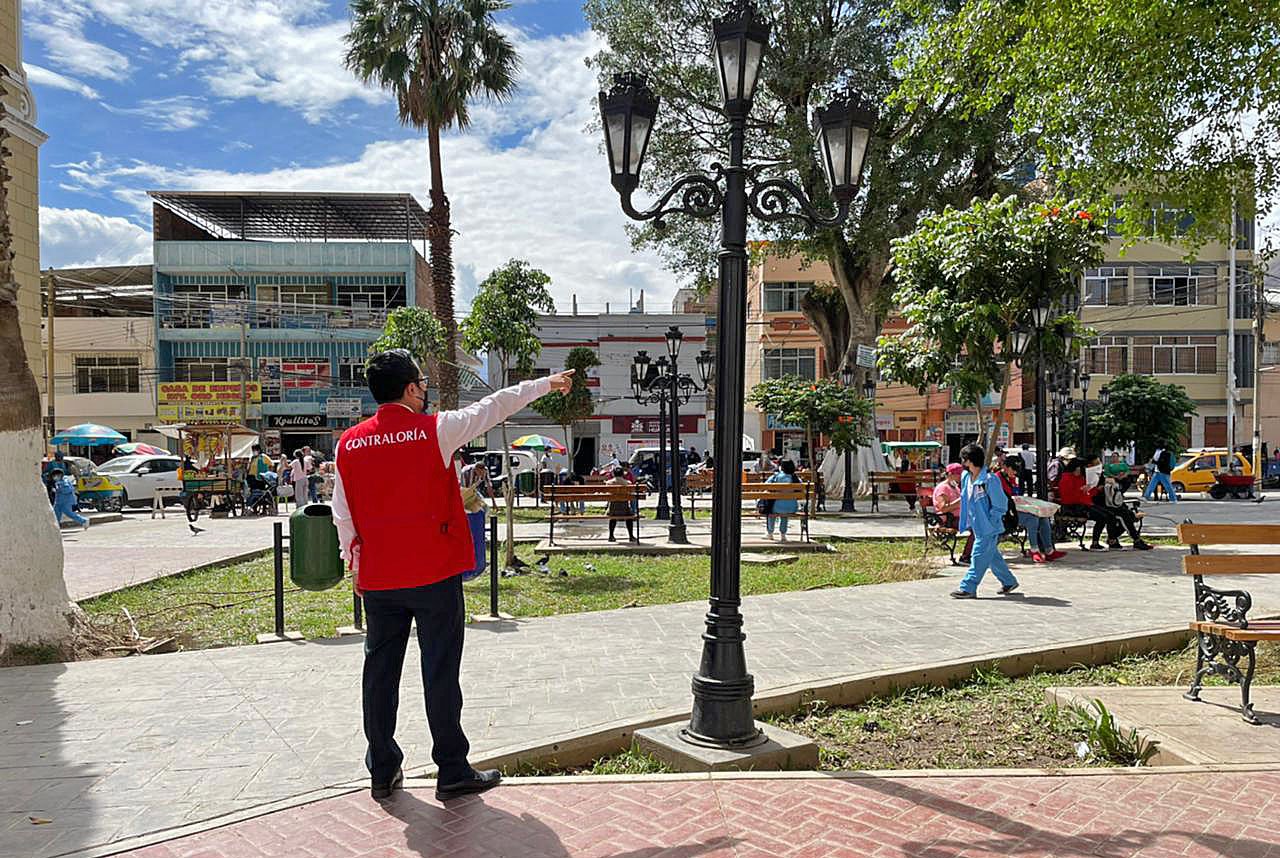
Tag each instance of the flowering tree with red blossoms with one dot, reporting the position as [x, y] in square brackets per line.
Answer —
[966, 278]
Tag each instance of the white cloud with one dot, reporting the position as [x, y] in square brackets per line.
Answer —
[177, 113]
[71, 238]
[546, 199]
[59, 24]
[41, 76]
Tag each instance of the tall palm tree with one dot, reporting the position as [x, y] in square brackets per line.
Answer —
[34, 608]
[435, 56]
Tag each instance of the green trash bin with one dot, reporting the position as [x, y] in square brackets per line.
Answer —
[314, 561]
[525, 483]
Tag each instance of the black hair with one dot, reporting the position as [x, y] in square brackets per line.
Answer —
[618, 473]
[257, 448]
[973, 453]
[788, 467]
[389, 373]
[297, 454]
[1076, 464]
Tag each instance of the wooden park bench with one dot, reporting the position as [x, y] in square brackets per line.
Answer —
[752, 493]
[936, 529]
[1225, 634]
[578, 496]
[696, 483]
[902, 485]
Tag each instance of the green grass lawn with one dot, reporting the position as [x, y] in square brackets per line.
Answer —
[230, 605]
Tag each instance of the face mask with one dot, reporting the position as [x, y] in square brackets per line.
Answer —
[1091, 474]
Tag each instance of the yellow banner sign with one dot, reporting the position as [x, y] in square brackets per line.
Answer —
[177, 392]
[204, 412]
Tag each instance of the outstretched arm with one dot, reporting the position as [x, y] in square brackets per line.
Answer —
[456, 428]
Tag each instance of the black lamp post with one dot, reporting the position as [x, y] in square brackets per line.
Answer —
[1084, 414]
[846, 500]
[648, 387]
[679, 388]
[722, 688]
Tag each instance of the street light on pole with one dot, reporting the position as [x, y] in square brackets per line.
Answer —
[1084, 414]
[846, 499]
[649, 387]
[722, 688]
[1040, 318]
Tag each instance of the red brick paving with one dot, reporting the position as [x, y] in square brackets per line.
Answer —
[1156, 815]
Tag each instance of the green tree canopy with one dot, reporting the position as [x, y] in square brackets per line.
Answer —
[414, 329]
[1166, 102]
[1139, 410]
[925, 154]
[566, 409]
[823, 407]
[436, 57]
[967, 277]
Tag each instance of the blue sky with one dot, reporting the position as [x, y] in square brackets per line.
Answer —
[251, 94]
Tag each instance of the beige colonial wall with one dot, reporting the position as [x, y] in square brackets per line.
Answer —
[24, 195]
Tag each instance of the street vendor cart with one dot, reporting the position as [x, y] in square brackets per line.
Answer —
[212, 478]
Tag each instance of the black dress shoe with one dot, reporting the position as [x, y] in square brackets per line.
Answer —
[478, 782]
[381, 791]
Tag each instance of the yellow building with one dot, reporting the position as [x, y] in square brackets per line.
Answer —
[23, 162]
[1158, 315]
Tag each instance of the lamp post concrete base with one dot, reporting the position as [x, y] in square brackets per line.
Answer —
[780, 750]
[502, 617]
[272, 637]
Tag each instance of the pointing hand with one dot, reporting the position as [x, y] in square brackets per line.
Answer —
[562, 381]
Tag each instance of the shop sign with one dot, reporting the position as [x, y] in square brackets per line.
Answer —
[644, 425]
[200, 412]
[772, 422]
[295, 421]
[884, 421]
[271, 442]
[337, 407]
[866, 357]
[172, 392]
[907, 421]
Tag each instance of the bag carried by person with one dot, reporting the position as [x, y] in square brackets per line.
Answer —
[764, 506]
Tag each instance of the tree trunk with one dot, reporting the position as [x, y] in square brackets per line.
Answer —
[440, 237]
[34, 607]
[568, 440]
[1002, 415]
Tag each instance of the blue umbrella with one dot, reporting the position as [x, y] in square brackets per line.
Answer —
[89, 435]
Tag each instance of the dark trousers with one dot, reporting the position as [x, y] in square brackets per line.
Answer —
[613, 523]
[440, 614]
[1103, 516]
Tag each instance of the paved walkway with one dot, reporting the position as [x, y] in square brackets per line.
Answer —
[137, 549]
[1114, 815]
[116, 748]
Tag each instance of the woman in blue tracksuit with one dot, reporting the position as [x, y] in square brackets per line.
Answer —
[782, 509]
[982, 507]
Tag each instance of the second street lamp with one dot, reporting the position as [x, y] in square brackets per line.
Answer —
[722, 688]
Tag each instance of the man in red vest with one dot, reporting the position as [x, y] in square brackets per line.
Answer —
[403, 530]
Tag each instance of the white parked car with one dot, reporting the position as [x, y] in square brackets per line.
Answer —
[140, 475]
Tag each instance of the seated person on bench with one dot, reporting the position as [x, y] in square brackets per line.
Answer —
[620, 509]
[1039, 530]
[1084, 501]
[946, 503]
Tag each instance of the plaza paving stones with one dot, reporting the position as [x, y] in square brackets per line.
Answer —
[1210, 732]
[120, 748]
[1117, 815]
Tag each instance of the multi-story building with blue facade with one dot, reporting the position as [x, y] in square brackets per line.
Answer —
[288, 289]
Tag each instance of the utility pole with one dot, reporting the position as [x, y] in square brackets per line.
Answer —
[244, 364]
[1231, 331]
[52, 427]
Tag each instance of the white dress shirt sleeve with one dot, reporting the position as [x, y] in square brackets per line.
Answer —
[455, 428]
[342, 516]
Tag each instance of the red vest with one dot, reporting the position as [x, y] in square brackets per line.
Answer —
[405, 504]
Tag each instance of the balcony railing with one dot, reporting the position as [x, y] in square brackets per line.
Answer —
[230, 315]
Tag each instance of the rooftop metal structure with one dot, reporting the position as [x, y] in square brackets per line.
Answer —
[278, 215]
[108, 290]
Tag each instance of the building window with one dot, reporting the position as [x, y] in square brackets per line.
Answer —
[101, 374]
[1177, 285]
[784, 297]
[200, 369]
[306, 375]
[1106, 286]
[1108, 356]
[1175, 355]
[1245, 358]
[798, 362]
[351, 372]
[204, 305]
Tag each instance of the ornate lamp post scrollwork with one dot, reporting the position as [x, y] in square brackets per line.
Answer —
[722, 688]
